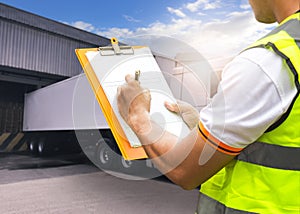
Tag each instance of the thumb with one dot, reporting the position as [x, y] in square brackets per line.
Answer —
[183, 106]
[173, 107]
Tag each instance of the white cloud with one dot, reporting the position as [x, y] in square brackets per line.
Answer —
[230, 36]
[236, 31]
[131, 19]
[119, 33]
[245, 6]
[212, 5]
[217, 39]
[201, 14]
[203, 4]
[193, 7]
[83, 25]
[177, 12]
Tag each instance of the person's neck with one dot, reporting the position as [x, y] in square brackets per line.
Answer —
[282, 12]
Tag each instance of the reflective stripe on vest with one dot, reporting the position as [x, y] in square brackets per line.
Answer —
[265, 177]
[208, 205]
[272, 156]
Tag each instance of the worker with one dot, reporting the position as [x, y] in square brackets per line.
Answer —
[250, 161]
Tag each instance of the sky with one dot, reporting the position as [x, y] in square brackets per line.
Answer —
[218, 29]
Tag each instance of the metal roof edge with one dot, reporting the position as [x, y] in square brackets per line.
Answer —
[43, 23]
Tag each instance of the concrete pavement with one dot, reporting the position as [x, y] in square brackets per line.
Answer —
[95, 193]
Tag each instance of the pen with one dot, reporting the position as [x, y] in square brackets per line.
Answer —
[137, 75]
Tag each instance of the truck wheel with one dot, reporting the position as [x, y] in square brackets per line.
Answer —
[41, 148]
[33, 147]
[130, 167]
[127, 164]
[105, 155]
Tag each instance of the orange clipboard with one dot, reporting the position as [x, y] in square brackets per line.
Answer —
[127, 151]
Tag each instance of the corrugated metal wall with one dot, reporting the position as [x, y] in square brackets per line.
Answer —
[31, 42]
[34, 52]
[31, 49]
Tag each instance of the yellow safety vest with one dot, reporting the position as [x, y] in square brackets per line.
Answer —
[265, 177]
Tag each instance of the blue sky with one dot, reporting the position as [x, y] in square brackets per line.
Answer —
[103, 14]
[217, 28]
[129, 14]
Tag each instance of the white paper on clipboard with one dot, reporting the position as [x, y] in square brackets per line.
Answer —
[111, 71]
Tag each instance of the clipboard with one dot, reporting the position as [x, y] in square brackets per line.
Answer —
[103, 67]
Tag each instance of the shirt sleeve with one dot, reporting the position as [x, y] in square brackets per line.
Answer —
[251, 96]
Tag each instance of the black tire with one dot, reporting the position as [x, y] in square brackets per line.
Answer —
[126, 164]
[33, 147]
[130, 167]
[105, 156]
[41, 148]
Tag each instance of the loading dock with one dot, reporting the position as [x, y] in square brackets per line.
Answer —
[34, 52]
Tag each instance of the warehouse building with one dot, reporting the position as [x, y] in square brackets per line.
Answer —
[34, 52]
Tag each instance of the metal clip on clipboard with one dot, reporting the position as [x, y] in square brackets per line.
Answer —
[115, 49]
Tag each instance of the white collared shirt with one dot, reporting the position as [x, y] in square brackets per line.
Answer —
[256, 89]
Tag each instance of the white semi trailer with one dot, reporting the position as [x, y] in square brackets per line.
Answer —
[66, 114]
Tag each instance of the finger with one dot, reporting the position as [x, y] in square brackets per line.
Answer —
[147, 94]
[172, 107]
[129, 78]
[119, 90]
[147, 91]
